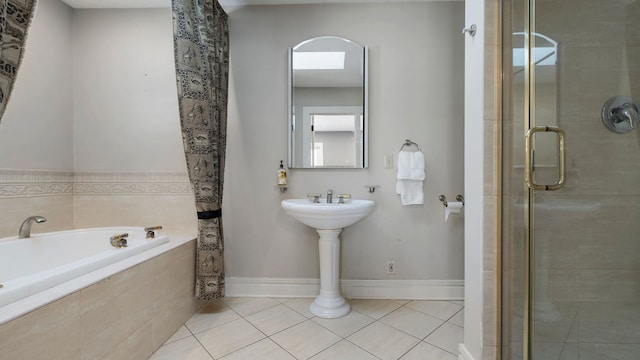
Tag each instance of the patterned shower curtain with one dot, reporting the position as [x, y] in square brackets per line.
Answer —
[15, 17]
[201, 48]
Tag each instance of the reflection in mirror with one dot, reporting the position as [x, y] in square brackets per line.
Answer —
[328, 124]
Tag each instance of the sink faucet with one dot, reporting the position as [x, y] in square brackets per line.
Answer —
[329, 196]
[25, 228]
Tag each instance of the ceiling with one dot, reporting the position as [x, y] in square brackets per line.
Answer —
[103, 4]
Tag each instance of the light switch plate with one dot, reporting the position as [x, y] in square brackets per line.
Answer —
[388, 161]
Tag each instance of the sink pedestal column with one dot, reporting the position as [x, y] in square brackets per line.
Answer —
[329, 304]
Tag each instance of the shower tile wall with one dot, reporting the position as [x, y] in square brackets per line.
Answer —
[586, 235]
[589, 248]
[492, 153]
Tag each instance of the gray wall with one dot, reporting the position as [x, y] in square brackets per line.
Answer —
[36, 129]
[104, 99]
[125, 119]
[124, 92]
[416, 87]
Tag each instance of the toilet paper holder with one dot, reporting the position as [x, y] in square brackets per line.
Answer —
[443, 199]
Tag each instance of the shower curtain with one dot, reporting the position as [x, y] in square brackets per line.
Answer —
[201, 49]
[15, 17]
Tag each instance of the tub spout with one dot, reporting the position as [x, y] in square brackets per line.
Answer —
[25, 228]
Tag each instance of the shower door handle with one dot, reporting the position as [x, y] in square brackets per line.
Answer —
[562, 158]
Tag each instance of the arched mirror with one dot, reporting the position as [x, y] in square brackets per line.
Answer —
[328, 120]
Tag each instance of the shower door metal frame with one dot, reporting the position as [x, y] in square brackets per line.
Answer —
[529, 195]
[529, 198]
[530, 187]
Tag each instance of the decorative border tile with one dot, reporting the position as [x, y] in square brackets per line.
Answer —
[30, 183]
[131, 183]
[132, 188]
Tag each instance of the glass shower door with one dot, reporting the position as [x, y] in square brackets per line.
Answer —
[571, 229]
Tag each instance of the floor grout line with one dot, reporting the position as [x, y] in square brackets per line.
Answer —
[342, 338]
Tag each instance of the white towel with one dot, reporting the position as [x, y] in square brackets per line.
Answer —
[410, 165]
[410, 192]
[410, 177]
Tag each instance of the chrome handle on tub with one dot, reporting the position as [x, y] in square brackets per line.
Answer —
[151, 231]
[120, 240]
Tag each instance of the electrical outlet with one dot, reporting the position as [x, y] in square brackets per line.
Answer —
[391, 267]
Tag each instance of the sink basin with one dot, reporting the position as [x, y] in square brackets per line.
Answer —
[327, 216]
[329, 219]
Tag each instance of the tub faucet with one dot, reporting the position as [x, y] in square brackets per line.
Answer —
[329, 196]
[119, 241]
[25, 228]
[151, 231]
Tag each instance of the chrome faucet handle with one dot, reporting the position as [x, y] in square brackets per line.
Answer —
[341, 198]
[120, 240]
[151, 231]
[315, 197]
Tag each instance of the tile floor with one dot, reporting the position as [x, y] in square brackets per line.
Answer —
[283, 329]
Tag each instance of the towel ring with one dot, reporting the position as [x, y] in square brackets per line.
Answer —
[408, 142]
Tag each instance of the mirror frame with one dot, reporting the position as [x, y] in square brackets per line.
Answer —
[365, 106]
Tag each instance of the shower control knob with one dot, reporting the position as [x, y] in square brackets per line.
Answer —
[621, 114]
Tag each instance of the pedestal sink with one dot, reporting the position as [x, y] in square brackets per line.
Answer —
[329, 219]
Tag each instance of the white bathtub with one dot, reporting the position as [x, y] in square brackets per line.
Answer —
[31, 265]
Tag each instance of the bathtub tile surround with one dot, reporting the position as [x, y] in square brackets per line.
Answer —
[32, 265]
[125, 316]
[138, 198]
[93, 199]
[19, 183]
[56, 327]
[24, 193]
[249, 328]
[129, 183]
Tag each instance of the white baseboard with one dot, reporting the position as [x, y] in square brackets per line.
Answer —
[464, 353]
[271, 287]
[351, 289]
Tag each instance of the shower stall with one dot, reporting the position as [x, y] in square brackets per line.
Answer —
[570, 180]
